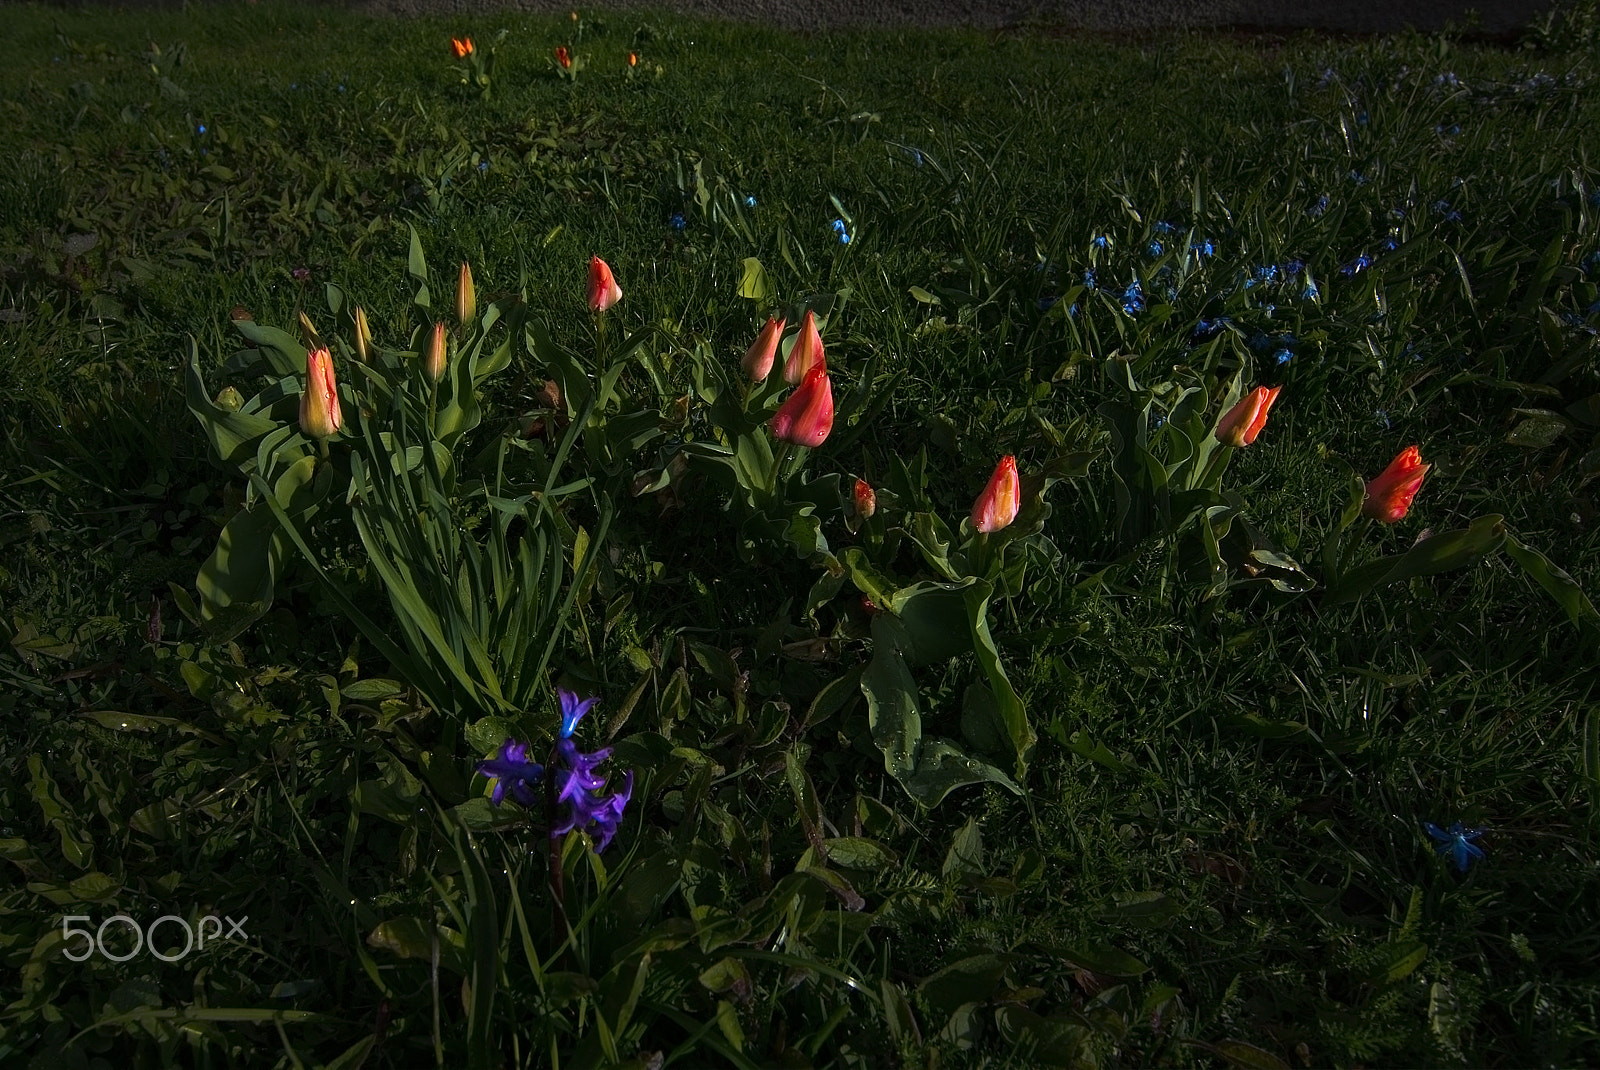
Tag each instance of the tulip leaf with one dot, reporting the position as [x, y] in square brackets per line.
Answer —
[1437, 553]
[278, 349]
[417, 266]
[232, 434]
[1555, 580]
[754, 284]
[1007, 706]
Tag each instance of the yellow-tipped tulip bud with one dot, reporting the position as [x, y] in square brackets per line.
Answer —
[363, 336]
[230, 400]
[466, 296]
[319, 401]
[309, 330]
[433, 360]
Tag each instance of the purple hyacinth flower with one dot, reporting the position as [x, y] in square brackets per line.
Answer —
[572, 711]
[511, 771]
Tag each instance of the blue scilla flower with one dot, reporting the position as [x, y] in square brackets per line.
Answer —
[676, 221]
[1207, 329]
[1133, 298]
[1294, 267]
[1455, 842]
[1163, 227]
[1356, 266]
[1283, 356]
[750, 201]
[1101, 241]
[843, 232]
[1205, 247]
[1310, 293]
[483, 165]
[201, 128]
[1358, 178]
[1088, 279]
[1389, 245]
[1154, 248]
[1266, 273]
[1319, 207]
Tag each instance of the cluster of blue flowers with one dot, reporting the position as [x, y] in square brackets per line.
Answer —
[577, 786]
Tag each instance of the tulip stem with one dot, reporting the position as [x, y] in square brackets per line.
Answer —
[778, 463]
[1216, 464]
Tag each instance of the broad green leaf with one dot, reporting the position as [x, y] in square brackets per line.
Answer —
[976, 978]
[76, 846]
[753, 282]
[1102, 958]
[1556, 582]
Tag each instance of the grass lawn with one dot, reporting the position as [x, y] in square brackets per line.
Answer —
[1198, 743]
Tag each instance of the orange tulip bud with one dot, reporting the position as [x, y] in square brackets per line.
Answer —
[462, 48]
[758, 359]
[1241, 424]
[363, 336]
[564, 57]
[633, 59]
[466, 296]
[433, 358]
[1000, 501]
[866, 499]
[806, 353]
[806, 418]
[603, 289]
[1389, 495]
[319, 401]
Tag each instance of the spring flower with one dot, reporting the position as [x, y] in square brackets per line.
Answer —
[633, 59]
[462, 48]
[511, 771]
[433, 358]
[1456, 843]
[319, 401]
[1241, 424]
[363, 336]
[677, 221]
[805, 353]
[603, 289]
[466, 296]
[1000, 501]
[758, 359]
[866, 500]
[564, 57]
[1133, 298]
[806, 418]
[1389, 494]
[843, 233]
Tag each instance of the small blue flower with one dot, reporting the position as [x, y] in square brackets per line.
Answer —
[1207, 329]
[1361, 120]
[1266, 273]
[1088, 279]
[1318, 208]
[483, 165]
[1310, 293]
[1389, 245]
[1382, 418]
[1358, 178]
[843, 232]
[1163, 227]
[1133, 298]
[341, 87]
[1204, 247]
[1154, 248]
[511, 771]
[1102, 242]
[750, 201]
[1455, 842]
[201, 128]
[572, 711]
[1356, 266]
[676, 221]
[1447, 78]
[1294, 266]
[1283, 356]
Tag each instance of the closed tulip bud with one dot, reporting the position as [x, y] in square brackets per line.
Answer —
[1388, 496]
[433, 359]
[1001, 500]
[1241, 424]
[806, 353]
[806, 418]
[758, 359]
[462, 48]
[363, 336]
[230, 400]
[564, 58]
[466, 296]
[319, 401]
[309, 331]
[866, 500]
[603, 289]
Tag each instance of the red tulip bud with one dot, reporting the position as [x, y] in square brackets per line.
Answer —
[1000, 501]
[433, 359]
[758, 359]
[866, 500]
[805, 354]
[806, 418]
[1389, 495]
[603, 289]
[319, 401]
[1241, 424]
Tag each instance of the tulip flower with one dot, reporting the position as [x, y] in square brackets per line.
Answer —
[758, 359]
[466, 296]
[564, 57]
[633, 59]
[805, 354]
[319, 401]
[603, 289]
[433, 358]
[363, 335]
[1000, 501]
[807, 417]
[866, 500]
[1241, 424]
[461, 48]
[1389, 495]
